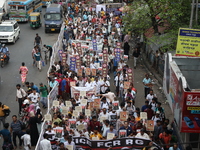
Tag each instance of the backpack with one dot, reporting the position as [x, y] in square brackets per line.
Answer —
[6, 111]
[7, 146]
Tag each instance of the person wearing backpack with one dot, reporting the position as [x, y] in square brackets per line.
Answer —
[16, 130]
[2, 113]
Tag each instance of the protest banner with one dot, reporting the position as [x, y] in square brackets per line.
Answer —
[100, 56]
[117, 53]
[64, 58]
[113, 119]
[78, 62]
[117, 144]
[94, 44]
[115, 105]
[104, 69]
[58, 132]
[89, 91]
[122, 133]
[72, 66]
[105, 55]
[79, 49]
[97, 103]
[88, 60]
[130, 75]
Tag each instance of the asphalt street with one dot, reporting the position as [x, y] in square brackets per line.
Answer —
[21, 52]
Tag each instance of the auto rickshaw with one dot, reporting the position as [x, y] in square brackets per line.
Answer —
[34, 20]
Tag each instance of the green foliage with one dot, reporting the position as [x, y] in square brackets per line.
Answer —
[173, 14]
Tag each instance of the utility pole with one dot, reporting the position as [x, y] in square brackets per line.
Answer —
[197, 7]
[192, 14]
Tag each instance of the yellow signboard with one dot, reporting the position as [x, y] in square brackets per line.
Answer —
[193, 108]
[188, 43]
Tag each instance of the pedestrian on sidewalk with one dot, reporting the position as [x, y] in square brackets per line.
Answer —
[23, 70]
[136, 54]
[20, 96]
[147, 85]
[38, 57]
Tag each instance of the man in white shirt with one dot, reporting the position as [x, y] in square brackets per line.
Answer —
[34, 97]
[104, 113]
[142, 135]
[70, 142]
[105, 84]
[26, 138]
[45, 144]
[88, 84]
[81, 122]
[104, 103]
[150, 96]
[96, 83]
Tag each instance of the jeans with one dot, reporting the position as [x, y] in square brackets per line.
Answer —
[15, 134]
[146, 91]
[43, 100]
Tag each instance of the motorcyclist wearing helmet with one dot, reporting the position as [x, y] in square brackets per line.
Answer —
[5, 51]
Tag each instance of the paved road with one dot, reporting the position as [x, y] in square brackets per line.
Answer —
[21, 52]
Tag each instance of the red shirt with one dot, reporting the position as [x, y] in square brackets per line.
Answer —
[94, 124]
[150, 113]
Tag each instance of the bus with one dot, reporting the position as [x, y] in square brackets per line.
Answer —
[20, 9]
[45, 1]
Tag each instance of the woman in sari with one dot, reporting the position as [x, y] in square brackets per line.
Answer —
[23, 70]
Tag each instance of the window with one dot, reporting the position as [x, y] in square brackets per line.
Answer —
[13, 7]
[53, 17]
[15, 25]
[32, 17]
[6, 28]
[21, 8]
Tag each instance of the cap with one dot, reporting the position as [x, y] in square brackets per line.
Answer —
[26, 102]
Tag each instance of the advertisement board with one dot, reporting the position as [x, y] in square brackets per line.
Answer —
[191, 113]
[188, 43]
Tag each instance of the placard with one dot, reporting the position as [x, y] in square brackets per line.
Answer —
[68, 103]
[78, 108]
[105, 55]
[56, 103]
[94, 44]
[88, 112]
[143, 115]
[83, 93]
[91, 106]
[76, 113]
[58, 131]
[110, 136]
[130, 75]
[73, 83]
[93, 72]
[123, 115]
[79, 72]
[78, 62]
[122, 133]
[97, 103]
[65, 110]
[126, 85]
[100, 56]
[84, 102]
[69, 147]
[102, 118]
[150, 125]
[47, 117]
[88, 60]
[95, 138]
[104, 69]
[81, 127]
[72, 63]
[115, 105]
[63, 55]
[72, 123]
[87, 71]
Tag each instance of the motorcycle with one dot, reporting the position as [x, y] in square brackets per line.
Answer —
[4, 59]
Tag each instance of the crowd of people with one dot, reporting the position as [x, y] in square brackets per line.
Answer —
[102, 115]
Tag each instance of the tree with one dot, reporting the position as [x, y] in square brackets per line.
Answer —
[145, 14]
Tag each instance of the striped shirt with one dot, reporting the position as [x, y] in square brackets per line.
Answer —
[16, 126]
